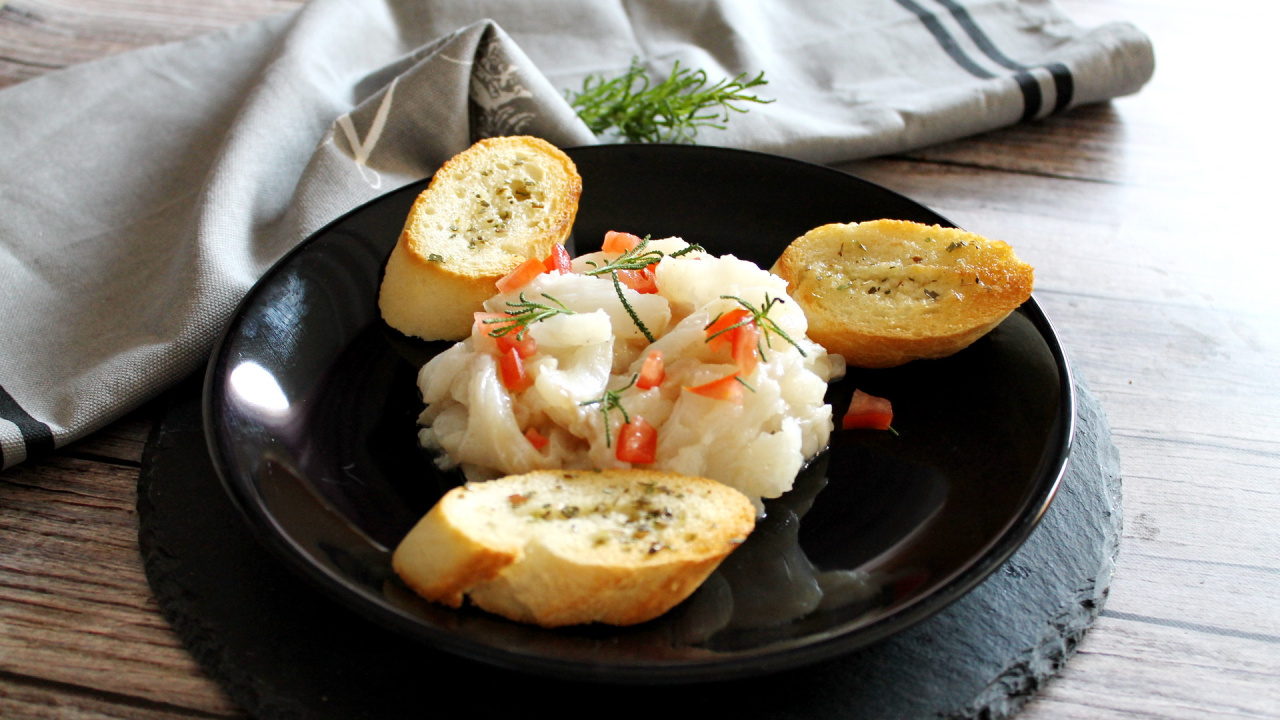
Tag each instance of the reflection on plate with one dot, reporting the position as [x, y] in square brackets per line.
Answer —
[310, 410]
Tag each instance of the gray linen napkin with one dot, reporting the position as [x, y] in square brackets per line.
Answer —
[143, 194]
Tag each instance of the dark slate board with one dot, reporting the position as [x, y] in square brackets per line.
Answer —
[282, 650]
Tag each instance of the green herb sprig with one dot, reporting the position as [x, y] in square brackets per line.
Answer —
[525, 313]
[612, 400]
[759, 316]
[670, 111]
[637, 258]
[635, 317]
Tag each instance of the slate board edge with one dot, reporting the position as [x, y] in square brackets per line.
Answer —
[1027, 673]
[1024, 675]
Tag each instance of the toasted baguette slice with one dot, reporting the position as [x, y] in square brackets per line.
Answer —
[488, 209]
[562, 547]
[886, 292]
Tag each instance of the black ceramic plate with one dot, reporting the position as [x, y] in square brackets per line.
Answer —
[310, 408]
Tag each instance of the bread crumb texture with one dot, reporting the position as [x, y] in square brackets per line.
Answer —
[488, 209]
[631, 520]
[885, 292]
[618, 547]
[493, 204]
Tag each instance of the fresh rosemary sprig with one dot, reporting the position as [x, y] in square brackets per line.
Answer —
[670, 111]
[759, 316]
[526, 313]
[637, 258]
[691, 247]
[635, 317]
[611, 400]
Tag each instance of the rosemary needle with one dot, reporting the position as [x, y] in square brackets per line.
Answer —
[525, 313]
[612, 400]
[669, 111]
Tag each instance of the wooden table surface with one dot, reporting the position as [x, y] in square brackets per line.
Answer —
[1148, 220]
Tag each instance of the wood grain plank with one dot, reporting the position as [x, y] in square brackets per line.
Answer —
[75, 608]
[1128, 669]
[37, 36]
[1142, 244]
[120, 443]
[22, 697]
[1192, 129]
[1145, 220]
[80, 634]
[1165, 364]
[1213, 344]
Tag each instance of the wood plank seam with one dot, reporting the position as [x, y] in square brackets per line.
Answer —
[996, 169]
[100, 458]
[1194, 627]
[107, 696]
[1204, 563]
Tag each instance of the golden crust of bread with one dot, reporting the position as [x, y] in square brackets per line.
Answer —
[885, 292]
[563, 547]
[488, 209]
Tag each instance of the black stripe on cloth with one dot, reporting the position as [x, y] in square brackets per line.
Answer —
[36, 435]
[1063, 83]
[979, 38]
[1031, 96]
[948, 43]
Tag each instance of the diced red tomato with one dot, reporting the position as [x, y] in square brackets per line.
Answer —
[487, 323]
[619, 242]
[480, 330]
[637, 441]
[727, 388]
[524, 273]
[652, 371]
[483, 324]
[642, 281]
[514, 376]
[743, 341]
[717, 337]
[867, 412]
[524, 347]
[536, 439]
[558, 260]
[746, 348]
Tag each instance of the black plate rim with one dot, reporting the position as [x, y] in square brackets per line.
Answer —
[744, 663]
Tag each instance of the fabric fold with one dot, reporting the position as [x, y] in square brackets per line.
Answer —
[142, 195]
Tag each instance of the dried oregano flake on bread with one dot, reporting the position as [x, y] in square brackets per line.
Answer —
[565, 547]
[488, 209]
[885, 292]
